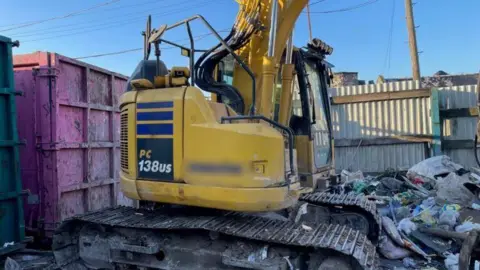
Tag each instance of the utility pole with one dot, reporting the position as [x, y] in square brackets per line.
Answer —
[478, 90]
[412, 40]
[309, 21]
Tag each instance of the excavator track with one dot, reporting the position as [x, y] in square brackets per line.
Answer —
[349, 203]
[325, 238]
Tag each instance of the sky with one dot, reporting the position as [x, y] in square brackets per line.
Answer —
[371, 40]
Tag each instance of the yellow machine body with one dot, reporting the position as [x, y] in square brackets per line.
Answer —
[175, 150]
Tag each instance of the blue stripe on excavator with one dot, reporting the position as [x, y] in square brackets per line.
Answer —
[154, 129]
[154, 116]
[155, 105]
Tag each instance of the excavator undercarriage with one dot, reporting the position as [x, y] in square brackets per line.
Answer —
[191, 238]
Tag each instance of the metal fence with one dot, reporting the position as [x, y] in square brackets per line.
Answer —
[382, 131]
[459, 132]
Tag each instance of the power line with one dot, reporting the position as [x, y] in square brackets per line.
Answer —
[133, 5]
[364, 4]
[111, 26]
[388, 53]
[93, 27]
[197, 38]
[116, 21]
[48, 29]
[107, 54]
[60, 17]
[317, 2]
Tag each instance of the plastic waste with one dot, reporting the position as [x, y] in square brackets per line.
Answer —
[388, 249]
[428, 202]
[392, 212]
[301, 211]
[454, 207]
[11, 264]
[467, 226]
[451, 262]
[6, 244]
[409, 262]
[406, 197]
[433, 166]
[418, 209]
[476, 206]
[258, 255]
[402, 212]
[432, 243]
[475, 177]
[452, 190]
[418, 180]
[384, 211]
[407, 226]
[387, 186]
[448, 217]
[426, 217]
[391, 231]
[290, 265]
[347, 176]
[359, 186]
[413, 247]
[306, 228]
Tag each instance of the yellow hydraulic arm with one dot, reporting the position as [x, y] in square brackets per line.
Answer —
[265, 50]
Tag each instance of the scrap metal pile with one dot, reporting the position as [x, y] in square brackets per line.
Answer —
[430, 214]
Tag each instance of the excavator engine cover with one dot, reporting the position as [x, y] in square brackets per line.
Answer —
[175, 150]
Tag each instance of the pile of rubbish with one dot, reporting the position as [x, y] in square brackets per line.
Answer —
[427, 212]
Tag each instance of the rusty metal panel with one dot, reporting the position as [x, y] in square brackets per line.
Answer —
[70, 121]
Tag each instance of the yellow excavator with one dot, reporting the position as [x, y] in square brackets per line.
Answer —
[231, 182]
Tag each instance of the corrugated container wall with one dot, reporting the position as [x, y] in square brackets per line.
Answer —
[69, 118]
[12, 227]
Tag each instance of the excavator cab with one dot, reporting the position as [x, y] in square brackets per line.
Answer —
[179, 148]
[308, 112]
[310, 117]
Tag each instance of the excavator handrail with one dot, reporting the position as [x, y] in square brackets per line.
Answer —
[215, 33]
[275, 124]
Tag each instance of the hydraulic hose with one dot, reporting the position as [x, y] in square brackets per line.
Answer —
[205, 65]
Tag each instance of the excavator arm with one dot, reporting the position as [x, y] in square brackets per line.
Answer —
[265, 49]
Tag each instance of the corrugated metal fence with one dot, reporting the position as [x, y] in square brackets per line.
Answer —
[460, 130]
[370, 135]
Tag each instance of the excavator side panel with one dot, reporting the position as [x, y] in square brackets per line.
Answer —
[175, 150]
